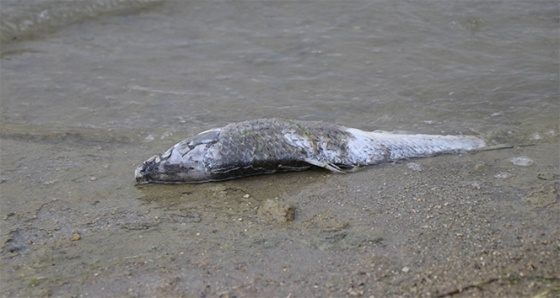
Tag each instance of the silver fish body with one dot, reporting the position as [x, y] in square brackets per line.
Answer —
[265, 146]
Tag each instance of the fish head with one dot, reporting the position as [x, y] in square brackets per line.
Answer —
[182, 163]
[183, 169]
[148, 171]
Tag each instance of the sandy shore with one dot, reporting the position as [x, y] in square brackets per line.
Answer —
[462, 226]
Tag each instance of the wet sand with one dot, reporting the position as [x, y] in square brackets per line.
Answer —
[446, 226]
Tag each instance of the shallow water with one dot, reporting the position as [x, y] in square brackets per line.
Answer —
[91, 91]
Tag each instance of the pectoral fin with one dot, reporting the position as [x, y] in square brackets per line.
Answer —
[329, 166]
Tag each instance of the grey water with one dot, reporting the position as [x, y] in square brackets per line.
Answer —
[90, 89]
[181, 66]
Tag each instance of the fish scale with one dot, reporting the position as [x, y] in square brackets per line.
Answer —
[265, 146]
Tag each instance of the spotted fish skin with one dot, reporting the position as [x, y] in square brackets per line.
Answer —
[265, 146]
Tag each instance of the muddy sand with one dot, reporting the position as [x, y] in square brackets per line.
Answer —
[74, 224]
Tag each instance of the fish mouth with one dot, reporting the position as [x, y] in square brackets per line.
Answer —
[139, 174]
[143, 171]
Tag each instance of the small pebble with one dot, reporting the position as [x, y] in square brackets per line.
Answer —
[480, 166]
[536, 136]
[405, 269]
[276, 211]
[414, 166]
[166, 134]
[545, 176]
[502, 175]
[522, 161]
[75, 236]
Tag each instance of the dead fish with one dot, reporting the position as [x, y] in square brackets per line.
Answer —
[266, 146]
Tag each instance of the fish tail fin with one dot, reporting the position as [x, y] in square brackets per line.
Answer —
[420, 145]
